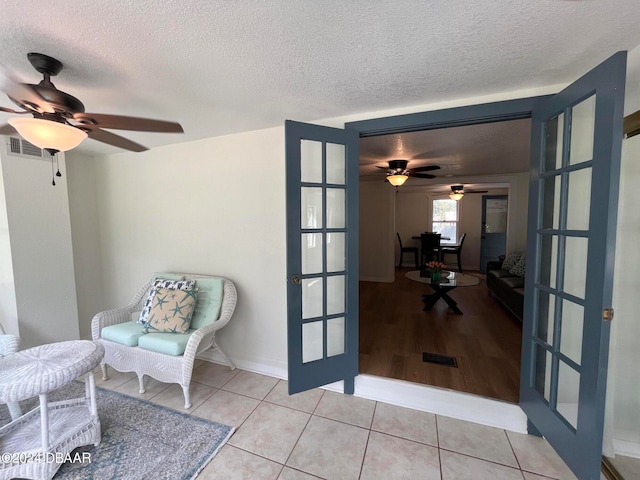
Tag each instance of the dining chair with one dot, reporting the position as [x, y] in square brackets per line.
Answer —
[454, 250]
[404, 250]
[429, 247]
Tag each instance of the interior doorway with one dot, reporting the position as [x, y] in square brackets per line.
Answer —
[396, 335]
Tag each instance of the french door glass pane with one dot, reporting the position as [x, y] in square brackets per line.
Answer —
[335, 163]
[335, 294]
[575, 271]
[311, 253]
[312, 296]
[548, 260]
[554, 129]
[551, 202]
[582, 129]
[312, 341]
[311, 207]
[579, 199]
[546, 316]
[496, 211]
[543, 372]
[568, 393]
[335, 208]
[335, 336]
[571, 330]
[336, 244]
[310, 161]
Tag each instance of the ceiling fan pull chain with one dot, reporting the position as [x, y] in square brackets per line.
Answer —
[53, 177]
[58, 174]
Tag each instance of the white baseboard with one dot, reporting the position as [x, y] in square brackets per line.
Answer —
[628, 449]
[269, 368]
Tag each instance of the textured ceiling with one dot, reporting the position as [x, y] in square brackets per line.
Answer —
[233, 65]
[475, 150]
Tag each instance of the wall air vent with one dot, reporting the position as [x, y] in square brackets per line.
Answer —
[19, 146]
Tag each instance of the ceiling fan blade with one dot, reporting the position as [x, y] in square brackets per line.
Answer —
[11, 110]
[7, 129]
[476, 191]
[120, 122]
[422, 175]
[428, 168]
[115, 140]
[22, 93]
[383, 168]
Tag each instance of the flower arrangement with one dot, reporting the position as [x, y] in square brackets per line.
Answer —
[435, 267]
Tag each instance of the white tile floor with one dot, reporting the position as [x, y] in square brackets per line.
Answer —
[323, 434]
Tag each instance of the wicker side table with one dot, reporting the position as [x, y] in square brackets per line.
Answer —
[30, 444]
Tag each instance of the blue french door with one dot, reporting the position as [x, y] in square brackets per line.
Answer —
[322, 249]
[573, 200]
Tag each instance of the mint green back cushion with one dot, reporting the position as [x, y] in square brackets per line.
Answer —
[167, 343]
[208, 302]
[168, 276]
[124, 333]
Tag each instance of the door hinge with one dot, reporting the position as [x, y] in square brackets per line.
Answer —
[607, 314]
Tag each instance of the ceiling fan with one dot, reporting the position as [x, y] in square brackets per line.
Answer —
[397, 172]
[59, 120]
[458, 191]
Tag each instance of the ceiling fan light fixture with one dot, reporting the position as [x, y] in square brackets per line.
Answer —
[397, 179]
[47, 134]
[456, 196]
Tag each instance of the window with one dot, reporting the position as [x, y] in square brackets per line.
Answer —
[444, 215]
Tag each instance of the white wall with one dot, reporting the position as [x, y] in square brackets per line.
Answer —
[86, 239]
[8, 306]
[214, 206]
[377, 233]
[40, 236]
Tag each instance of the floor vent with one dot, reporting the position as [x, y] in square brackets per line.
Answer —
[439, 359]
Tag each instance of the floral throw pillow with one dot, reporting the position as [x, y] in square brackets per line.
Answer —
[171, 311]
[162, 283]
[518, 268]
[510, 260]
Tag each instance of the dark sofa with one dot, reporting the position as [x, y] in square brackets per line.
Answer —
[507, 288]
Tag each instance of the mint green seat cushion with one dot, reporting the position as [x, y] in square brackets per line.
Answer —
[167, 343]
[208, 302]
[124, 333]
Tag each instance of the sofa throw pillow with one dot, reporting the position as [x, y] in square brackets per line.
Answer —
[162, 283]
[171, 311]
[510, 260]
[518, 268]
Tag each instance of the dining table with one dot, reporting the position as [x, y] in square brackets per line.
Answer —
[442, 287]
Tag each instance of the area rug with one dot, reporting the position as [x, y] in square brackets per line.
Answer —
[140, 440]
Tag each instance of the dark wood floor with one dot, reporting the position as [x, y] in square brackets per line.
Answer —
[485, 340]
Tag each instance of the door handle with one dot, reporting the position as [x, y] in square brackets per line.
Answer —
[296, 280]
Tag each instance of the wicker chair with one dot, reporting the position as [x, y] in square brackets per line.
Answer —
[161, 366]
[10, 344]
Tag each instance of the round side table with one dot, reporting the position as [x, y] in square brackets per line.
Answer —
[31, 444]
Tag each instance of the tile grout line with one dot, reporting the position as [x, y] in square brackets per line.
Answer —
[438, 445]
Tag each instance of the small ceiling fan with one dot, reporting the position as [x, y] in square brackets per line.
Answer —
[397, 172]
[59, 120]
[458, 191]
